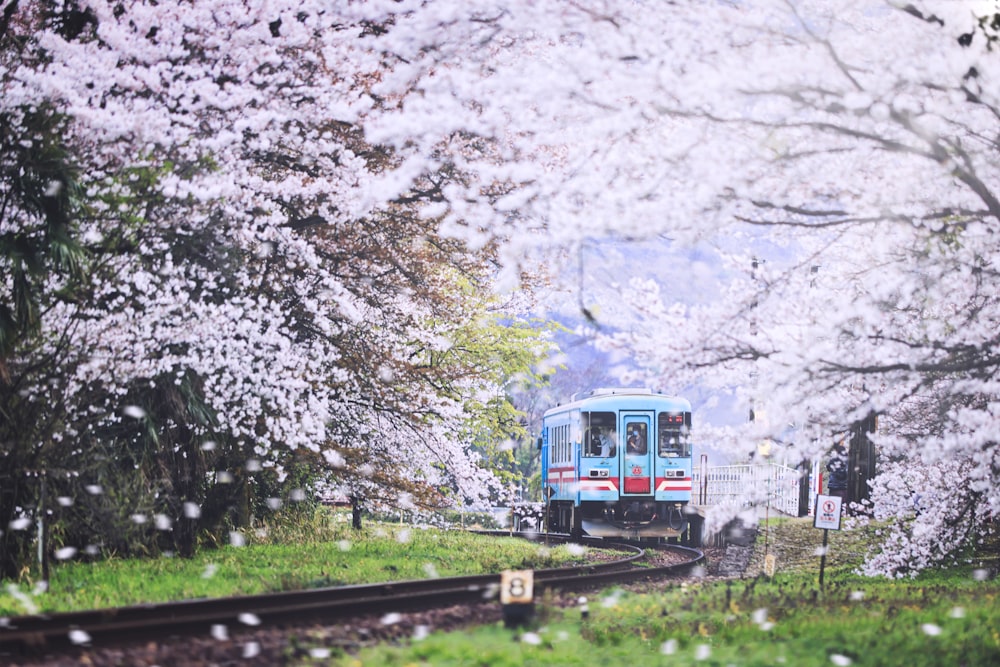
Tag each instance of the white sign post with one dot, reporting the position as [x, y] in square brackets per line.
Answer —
[827, 517]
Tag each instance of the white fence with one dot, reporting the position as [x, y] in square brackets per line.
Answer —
[766, 485]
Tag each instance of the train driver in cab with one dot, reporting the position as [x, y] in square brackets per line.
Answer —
[603, 444]
[636, 444]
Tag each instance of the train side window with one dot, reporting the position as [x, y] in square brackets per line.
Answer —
[599, 434]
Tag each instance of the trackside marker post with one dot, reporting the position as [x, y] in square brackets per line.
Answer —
[517, 596]
[827, 517]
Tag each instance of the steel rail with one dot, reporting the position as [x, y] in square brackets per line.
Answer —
[25, 635]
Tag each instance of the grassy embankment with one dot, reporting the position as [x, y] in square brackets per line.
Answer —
[948, 617]
[324, 551]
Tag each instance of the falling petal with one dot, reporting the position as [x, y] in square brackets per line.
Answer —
[576, 549]
[857, 595]
[319, 653]
[760, 616]
[611, 600]
[94, 489]
[20, 524]
[79, 637]
[403, 536]
[981, 574]
[930, 629]
[767, 626]
[669, 647]
[251, 650]
[702, 652]
[531, 638]
[958, 612]
[210, 571]
[139, 518]
[421, 632]
[344, 545]
[249, 619]
[821, 551]
[133, 411]
[297, 495]
[220, 632]
[224, 477]
[431, 571]
[208, 445]
[391, 618]
[840, 660]
[64, 501]
[237, 539]
[65, 553]
[192, 510]
[252, 465]
[162, 521]
[274, 503]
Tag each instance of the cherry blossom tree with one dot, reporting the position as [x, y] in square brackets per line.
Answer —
[230, 154]
[846, 149]
[258, 283]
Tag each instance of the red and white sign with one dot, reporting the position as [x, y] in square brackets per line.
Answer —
[827, 513]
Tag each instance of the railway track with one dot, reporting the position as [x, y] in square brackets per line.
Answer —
[59, 632]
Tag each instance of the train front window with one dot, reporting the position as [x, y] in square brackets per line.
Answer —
[637, 441]
[599, 435]
[674, 434]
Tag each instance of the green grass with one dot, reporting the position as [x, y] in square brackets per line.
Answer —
[946, 617]
[333, 556]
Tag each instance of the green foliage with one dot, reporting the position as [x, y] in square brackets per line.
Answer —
[325, 552]
[941, 617]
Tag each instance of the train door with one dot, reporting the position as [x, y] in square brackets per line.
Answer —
[637, 464]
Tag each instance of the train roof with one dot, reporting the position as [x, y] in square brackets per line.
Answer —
[638, 398]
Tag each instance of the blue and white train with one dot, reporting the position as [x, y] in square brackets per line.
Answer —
[617, 463]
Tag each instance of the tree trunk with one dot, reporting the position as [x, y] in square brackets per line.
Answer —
[356, 512]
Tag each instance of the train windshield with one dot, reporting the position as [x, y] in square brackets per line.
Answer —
[599, 436]
[674, 434]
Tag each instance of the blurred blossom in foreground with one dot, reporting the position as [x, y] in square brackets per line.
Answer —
[65, 553]
[133, 411]
[930, 629]
[79, 637]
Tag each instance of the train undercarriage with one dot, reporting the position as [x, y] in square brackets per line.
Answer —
[629, 518]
